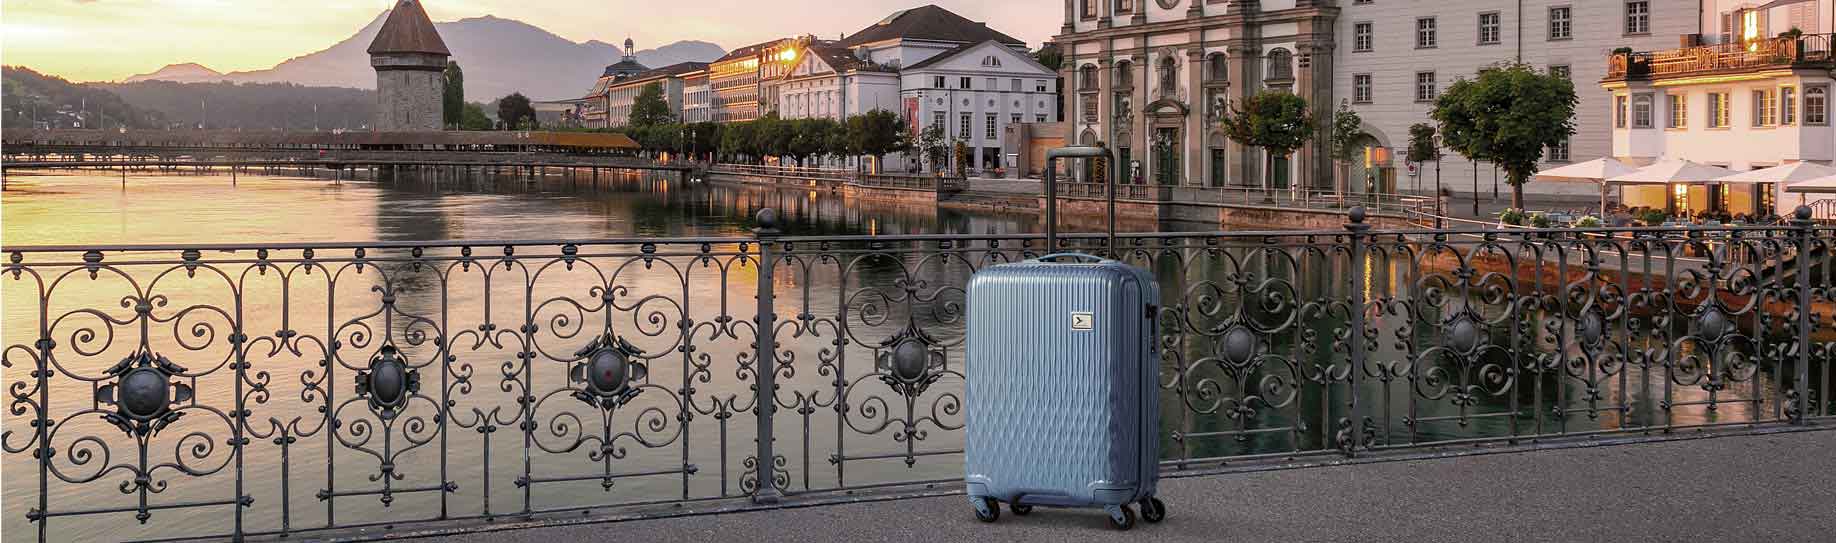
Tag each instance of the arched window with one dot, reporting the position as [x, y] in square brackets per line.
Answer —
[1087, 77]
[1281, 64]
[1169, 75]
[1217, 68]
[1125, 76]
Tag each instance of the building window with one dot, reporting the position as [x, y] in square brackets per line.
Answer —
[1013, 85]
[1817, 105]
[1281, 64]
[1169, 76]
[1788, 106]
[1039, 118]
[1560, 70]
[1559, 152]
[1619, 111]
[1087, 78]
[1125, 76]
[988, 127]
[1424, 87]
[1362, 37]
[1490, 30]
[1641, 111]
[964, 82]
[1679, 112]
[962, 126]
[1013, 119]
[937, 121]
[1425, 36]
[1361, 88]
[1090, 8]
[1718, 110]
[1765, 110]
[1039, 85]
[1218, 66]
[937, 82]
[1125, 6]
[1561, 23]
[1638, 17]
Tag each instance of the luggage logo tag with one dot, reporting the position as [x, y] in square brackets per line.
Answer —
[1083, 320]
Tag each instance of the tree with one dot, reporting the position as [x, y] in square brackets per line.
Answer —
[1421, 144]
[1347, 138]
[808, 137]
[1050, 56]
[515, 110]
[1277, 122]
[1509, 115]
[932, 146]
[877, 133]
[453, 100]
[472, 117]
[649, 108]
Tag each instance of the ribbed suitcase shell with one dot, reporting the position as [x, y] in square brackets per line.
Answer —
[1058, 416]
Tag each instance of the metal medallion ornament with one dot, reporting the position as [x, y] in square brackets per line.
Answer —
[388, 383]
[1712, 325]
[1464, 335]
[607, 370]
[143, 394]
[908, 364]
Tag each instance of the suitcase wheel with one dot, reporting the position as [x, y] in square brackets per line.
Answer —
[985, 509]
[1153, 510]
[1021, 509]
[1121, 517]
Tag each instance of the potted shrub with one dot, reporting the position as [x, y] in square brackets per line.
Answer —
[1655, 217]
[1540, 220]
[1511, 217]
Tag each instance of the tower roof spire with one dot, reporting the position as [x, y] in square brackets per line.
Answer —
[408, 30]
[630, 50]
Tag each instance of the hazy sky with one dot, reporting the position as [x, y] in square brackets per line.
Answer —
[88, 40]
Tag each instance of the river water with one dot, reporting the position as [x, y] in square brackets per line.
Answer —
[100, 209]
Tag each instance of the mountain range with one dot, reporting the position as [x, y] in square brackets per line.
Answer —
[499, 56]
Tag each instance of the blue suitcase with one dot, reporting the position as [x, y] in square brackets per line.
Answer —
[1063, 388]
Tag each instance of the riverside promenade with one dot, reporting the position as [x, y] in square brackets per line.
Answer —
[1767, 485]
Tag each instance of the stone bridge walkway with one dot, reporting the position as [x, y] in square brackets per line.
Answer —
[1777, 486]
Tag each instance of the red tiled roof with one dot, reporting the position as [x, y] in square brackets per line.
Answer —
[408, 30]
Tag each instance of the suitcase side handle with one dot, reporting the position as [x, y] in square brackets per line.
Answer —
[1051, 190]
[1079, 256]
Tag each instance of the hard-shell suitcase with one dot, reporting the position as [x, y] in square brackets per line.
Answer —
[1062, 397]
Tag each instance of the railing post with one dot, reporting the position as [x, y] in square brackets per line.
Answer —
[1801, 390]
[1351, 428]
[766, 402]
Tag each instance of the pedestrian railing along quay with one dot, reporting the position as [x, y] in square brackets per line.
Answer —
[283, 388]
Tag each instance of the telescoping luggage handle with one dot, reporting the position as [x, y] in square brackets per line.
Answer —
[1051, 190]
[1079, 256]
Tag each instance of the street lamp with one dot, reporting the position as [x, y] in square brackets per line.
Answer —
[1439, 194]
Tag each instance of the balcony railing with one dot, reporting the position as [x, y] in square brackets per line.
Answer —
[273, 388]
[1725, 57]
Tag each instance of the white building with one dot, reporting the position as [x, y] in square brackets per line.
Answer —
[621, 96]
[1747, 102]
[1150, 77]
[974, 91]
[697, 97]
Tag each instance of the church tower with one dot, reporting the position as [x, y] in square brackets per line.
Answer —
[409, 58]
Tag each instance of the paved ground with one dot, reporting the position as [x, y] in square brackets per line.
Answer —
[1775, 487]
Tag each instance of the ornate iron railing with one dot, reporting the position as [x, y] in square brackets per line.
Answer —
[284, 388]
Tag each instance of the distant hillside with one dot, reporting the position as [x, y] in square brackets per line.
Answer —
[500, 56]
[251, 106]
[57, 103]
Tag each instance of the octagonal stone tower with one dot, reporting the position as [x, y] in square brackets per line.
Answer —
[409, 57]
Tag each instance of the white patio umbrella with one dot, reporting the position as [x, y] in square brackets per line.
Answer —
[1596, 171]
[1796, 172]
[1821, 185]
[1670, 172]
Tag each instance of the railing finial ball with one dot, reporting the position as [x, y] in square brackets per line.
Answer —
[1802, 213]
[1357, 214]
[767, 219]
